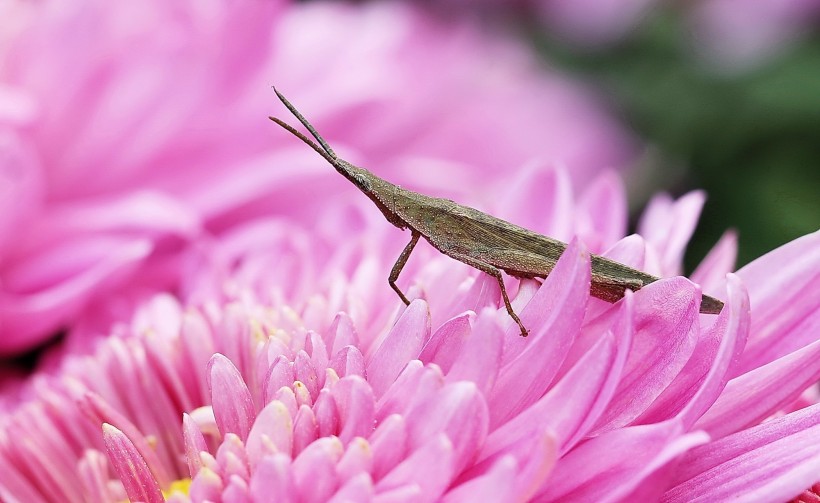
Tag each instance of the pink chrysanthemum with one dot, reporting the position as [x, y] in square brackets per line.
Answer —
[130, 131]
[290, 372]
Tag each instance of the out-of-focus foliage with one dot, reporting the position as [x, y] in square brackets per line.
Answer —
[750, 138]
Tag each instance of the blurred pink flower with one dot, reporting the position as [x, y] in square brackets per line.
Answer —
[128, 132]
[302, 377]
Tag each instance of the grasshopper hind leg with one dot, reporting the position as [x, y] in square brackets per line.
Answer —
[496, 273]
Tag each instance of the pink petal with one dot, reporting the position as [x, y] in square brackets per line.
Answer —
[602, 213]
[611, 466]
[539, 198]
[272, 480]
[430, 468]
[305, 429]
[720, 261]
[480, 357]
[354, 400]
[531, 363]
[93, 468]
[498, 484]
[414, 385]
[327, 416]
[349, 361]
[194, 444]
[458, 410]
[28, 318]
[445, 345]
[314, 470]
[666, 330]
[358, 489]
[278, 375]
[752, 397]
[237, 491]
[272, 432]
[342, 333]
[357, 460]
[206, 486]
[306, 373]
[390, 444]
[573, 405]
[706, 373]
[131, 468]
[773, 461]
[402, 344]
[668, 225]
[231, 458]
[232, 404]
[784, 303]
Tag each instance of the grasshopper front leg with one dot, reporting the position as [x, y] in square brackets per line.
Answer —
[399, 265]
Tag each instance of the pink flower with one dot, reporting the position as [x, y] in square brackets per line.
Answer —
[300, 376]
[130, 133]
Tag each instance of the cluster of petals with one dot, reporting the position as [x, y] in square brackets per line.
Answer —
[129, 131]
[290, 372]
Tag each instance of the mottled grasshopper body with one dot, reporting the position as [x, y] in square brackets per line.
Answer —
[477, 239]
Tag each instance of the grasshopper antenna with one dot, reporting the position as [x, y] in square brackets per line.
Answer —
[294, 132]
[305, 123]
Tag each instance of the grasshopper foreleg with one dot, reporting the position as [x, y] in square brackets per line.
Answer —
[399, 265]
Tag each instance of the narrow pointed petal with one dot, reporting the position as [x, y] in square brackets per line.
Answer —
[402, 344]
[602, 212]
[194, 443]
[445, 345]
[557, 308]
[773, 461]
[666, 330]
[232, 404]
[459, 411]
[414, 385]
[539, 198]
[206, 486]
[480, 358]
[668, 225]
[706, 373]
[784, 303]
[608, 467]
[573, 405]
[279, 374]
[719, 262]
[342, 333]
[131, 468]
[754, 396]
[305, 429]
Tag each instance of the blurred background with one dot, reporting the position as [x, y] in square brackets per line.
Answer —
[724, 94]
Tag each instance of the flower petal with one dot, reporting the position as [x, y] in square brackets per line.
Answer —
[402, 344]
[354, 400]
[752, 397]
[445, 345]
[531, 363]
[719, 262]
[480, 357]
[608, 467]
[232, 404]
[706, 373]
[131, 468]
[272, 432]
[430, 468]
[668, 225]
[666, 330]
[773, 461]
[272, 480]
[784, 303]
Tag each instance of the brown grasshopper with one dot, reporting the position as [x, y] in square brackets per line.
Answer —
[477, 239]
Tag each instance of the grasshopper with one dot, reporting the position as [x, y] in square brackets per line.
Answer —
[477, 239]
